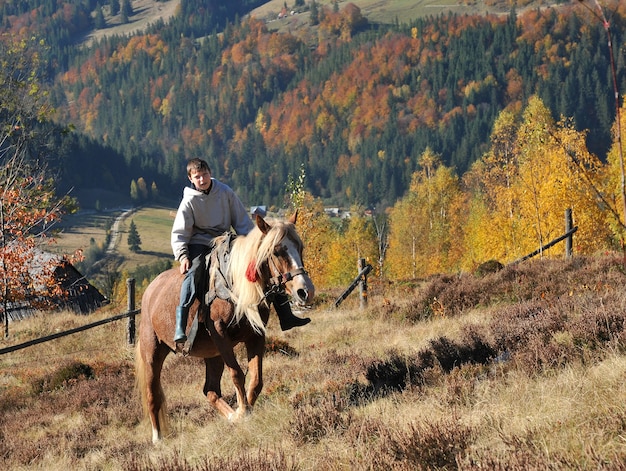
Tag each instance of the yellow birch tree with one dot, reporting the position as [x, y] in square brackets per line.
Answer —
[540, 181]
[356, 242]
[519, 191]
[551, 155]
[404, 240]
[613, 188]
[491, 229]
[421, 231]
[314, 227]
[586, 174]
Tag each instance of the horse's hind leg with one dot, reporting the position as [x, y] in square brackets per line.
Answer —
[212, 387]
[150, 363]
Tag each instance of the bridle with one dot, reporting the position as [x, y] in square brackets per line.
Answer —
[282, 279]
[278, 283]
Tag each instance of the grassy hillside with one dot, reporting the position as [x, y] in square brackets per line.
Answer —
[376, 11]
[380, 11]
[520, 370]
[102, 238]
[154, 225]
[146, 12]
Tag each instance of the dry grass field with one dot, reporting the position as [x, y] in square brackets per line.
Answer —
[522, 369]
[77, 231]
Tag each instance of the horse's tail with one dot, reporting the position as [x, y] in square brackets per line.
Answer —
[141, 384]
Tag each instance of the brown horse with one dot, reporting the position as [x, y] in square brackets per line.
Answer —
[266, 261]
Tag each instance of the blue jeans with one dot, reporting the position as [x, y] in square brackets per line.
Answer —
[195, 282]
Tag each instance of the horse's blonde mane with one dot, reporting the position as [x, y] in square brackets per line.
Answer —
[253, 248]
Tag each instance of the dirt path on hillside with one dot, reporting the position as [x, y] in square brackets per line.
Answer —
[115, 230]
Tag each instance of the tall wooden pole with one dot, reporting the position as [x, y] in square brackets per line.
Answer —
[362, 283]
[568, 227]
[130, 290]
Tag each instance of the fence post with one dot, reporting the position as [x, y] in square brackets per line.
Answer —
[568, 227]
[130, 291]
[362, 283]
[363, 273]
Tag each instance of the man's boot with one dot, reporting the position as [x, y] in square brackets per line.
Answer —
[286, 317]
[181, 324]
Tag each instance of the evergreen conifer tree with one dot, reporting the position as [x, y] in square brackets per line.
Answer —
[115, 7]
[99, 21]
[314, 14]
[127, 11]
[134, 240]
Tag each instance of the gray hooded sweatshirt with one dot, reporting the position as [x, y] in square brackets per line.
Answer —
[203, 216]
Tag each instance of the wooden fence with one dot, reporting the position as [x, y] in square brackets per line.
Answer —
[360, 280]
[363, 269]
[568, 236]
[130, 331]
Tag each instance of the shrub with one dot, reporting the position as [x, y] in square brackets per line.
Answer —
[63, 376]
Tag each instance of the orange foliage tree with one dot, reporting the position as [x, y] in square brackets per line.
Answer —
[28, 202]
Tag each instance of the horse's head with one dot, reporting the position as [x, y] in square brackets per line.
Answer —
[284, 248]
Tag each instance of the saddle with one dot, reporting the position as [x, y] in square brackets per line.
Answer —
[218, 285]
[216, 264]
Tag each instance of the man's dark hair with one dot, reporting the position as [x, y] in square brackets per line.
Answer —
[197, 164]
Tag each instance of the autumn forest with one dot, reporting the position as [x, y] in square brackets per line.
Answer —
[465, 138]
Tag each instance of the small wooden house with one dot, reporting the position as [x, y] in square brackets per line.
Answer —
[78, 295]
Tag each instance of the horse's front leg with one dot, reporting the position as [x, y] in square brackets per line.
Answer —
[213, 392]
[226, 348]
[212, 388]
[239, 381]
[255, 348]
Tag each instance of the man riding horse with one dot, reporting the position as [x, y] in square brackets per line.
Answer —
[210, 208]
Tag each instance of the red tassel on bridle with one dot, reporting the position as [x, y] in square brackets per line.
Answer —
[251, 273]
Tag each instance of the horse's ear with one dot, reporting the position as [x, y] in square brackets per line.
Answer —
[262, 225]
[294, 217]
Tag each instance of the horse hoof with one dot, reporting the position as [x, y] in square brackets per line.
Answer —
[238, 415]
